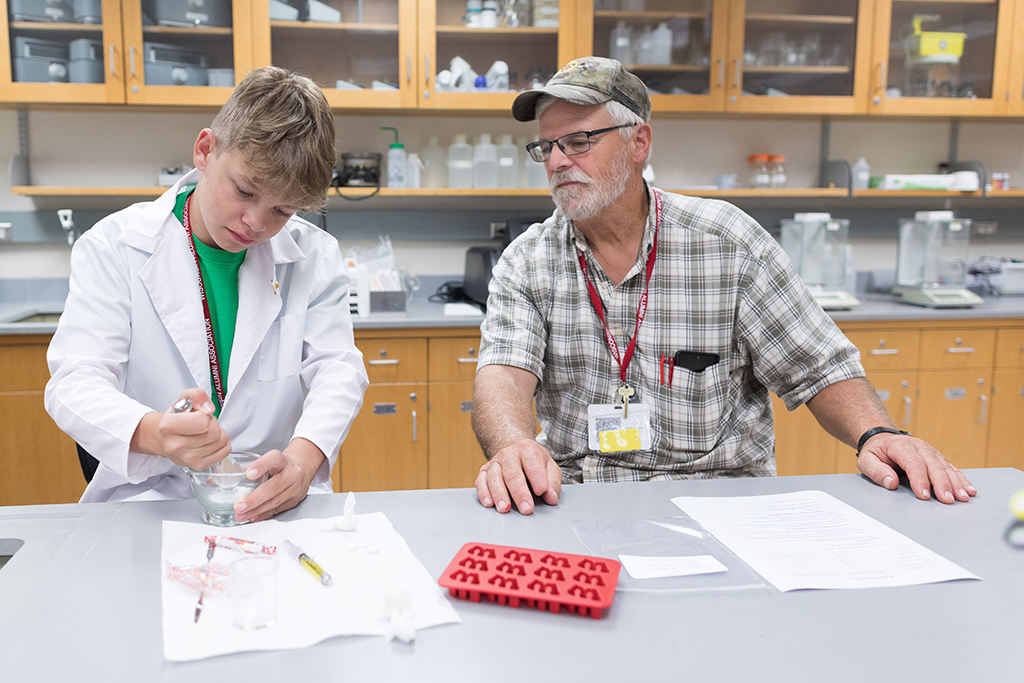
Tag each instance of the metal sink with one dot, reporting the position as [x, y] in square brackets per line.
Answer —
[39, 318]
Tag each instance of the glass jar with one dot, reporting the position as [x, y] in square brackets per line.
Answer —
[777, 170]
[759, 175]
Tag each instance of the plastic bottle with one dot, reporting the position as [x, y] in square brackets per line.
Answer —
[396, 161]
[861, 174]
[472, 17]
[508, 163]
[661, 50]
[435, 164]
[759, 176]
[489, 14]
[777, 170]
[485, 164]
[619, 47]
[645, 49]
[460, 163]
[413, 169]
[524, 162]
[536, 173]
[497, 76]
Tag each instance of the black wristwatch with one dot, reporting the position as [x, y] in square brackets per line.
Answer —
[877, 430]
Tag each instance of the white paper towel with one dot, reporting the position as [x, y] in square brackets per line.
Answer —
[356, 604]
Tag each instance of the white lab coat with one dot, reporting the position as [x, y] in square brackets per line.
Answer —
[132, 338]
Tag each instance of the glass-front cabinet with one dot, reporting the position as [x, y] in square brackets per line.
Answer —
[61, 51]
[362, 52]
[135, 51]
[1015, 84]
[477, 54]
[185, 51]
[799, 56]
[677, 47]
[941, 58]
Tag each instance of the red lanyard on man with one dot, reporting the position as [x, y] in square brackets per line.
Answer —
[595, 300]
[218, 386]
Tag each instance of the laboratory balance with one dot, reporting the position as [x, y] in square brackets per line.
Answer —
[931, 265]
[933, 59]
[817, 244]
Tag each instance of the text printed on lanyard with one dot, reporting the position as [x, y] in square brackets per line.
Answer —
[218, 386]
[595, 300]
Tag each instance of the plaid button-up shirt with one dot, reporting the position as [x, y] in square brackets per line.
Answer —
[721, 284]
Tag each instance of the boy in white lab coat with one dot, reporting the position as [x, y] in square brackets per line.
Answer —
[218, 293]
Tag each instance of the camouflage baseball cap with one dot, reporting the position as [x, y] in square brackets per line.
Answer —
[588, 80]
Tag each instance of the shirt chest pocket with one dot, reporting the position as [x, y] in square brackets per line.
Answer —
[692, 407]
[281, 351]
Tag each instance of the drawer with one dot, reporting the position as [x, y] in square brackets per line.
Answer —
[953, 349]
[1010, 348]
[394, 360]
[453, 358]
[887, 349]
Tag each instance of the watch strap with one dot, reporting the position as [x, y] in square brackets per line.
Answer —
[877, 430]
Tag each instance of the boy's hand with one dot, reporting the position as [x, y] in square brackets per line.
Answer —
[190, 439]
[291, 472]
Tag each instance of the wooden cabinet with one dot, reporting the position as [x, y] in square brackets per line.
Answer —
[943, 58]
[958, 384]
[801, 56]
[1006, 417]
[403, 45]
[179, 58]
[38, 462]
[374, 42]
[414, 430]
[1015, 72]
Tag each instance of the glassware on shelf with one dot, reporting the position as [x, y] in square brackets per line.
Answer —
[759, 174]
[777, 170]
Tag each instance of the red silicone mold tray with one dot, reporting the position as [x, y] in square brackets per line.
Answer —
[538, 578]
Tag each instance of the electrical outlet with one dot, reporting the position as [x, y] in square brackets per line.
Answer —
[984, 228]
[498, 229]
[6, 232]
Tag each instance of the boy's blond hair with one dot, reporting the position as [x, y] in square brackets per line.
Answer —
[282, 124]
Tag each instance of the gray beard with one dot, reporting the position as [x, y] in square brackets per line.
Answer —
[584, 203]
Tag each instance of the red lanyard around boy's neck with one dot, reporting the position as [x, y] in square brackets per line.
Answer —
[218, 386]
[595, 300]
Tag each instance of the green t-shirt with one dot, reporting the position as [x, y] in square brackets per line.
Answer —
[220, 277]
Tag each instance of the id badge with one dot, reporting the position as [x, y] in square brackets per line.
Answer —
[609, 432]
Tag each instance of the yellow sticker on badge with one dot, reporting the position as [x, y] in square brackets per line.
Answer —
[615, 440]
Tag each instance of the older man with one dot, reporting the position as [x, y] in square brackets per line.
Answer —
[650, 327]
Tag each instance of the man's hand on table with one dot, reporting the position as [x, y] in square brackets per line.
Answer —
[926, 468]
[518, 472]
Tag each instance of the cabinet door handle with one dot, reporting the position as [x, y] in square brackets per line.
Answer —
[881, 77]
[736, 73]
[389, 361]
[426, 68]
[469, 360]
[414, 425]
[884, 352]
[112, 73]
[721, 72]
[906, 411]
[131, 59]
[408, 67]
[984, 408]
[965, 349]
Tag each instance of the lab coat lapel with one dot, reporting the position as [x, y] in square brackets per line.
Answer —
[259, 299]
[169, 277]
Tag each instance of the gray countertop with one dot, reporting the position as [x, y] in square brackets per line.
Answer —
[81, 599]
[424, 313]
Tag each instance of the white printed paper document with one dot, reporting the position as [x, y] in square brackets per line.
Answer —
[644, 567]
[809, 539]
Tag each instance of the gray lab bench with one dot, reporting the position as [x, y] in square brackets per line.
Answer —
[92, 611]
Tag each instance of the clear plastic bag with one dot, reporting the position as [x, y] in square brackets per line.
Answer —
[666, 537]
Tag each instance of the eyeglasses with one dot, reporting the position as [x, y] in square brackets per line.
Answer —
[571, 145]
